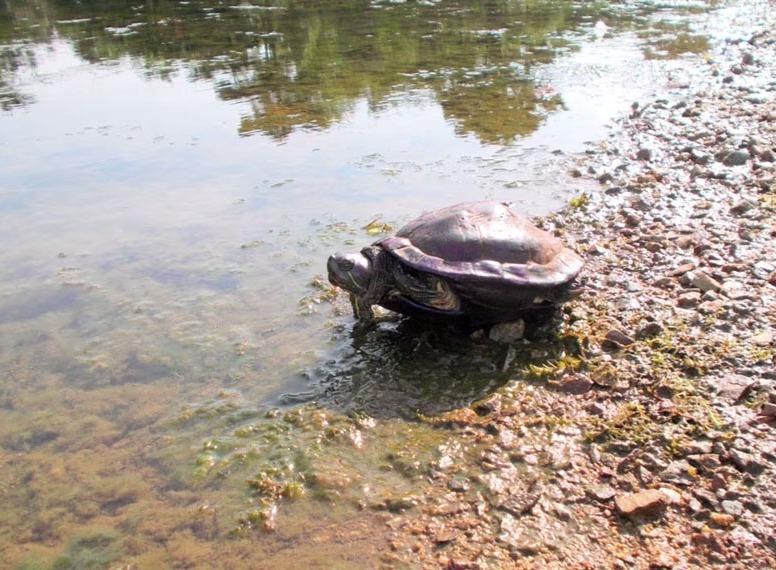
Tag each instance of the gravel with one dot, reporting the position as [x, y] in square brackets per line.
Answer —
[649, 441]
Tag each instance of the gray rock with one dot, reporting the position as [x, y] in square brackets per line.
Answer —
[746, 462]
[733, 508]
[649, 330]
[507, 332]
[736, 290]
[645, 154]
[742, 207]
[603, 492]
[679, 473]
[736, 158]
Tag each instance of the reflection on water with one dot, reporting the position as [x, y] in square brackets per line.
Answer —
[173, 176]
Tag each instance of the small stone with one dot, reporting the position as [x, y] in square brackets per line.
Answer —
[507, 333]
[577, 384]
[672, 496]
[684, 268]
[458, 484]
[700, 158]
[711, 307]
[647, 502]
[768, 409]
[679, 473]
[772, 279]
[736, 158]
[732, 387]
[736, 290]
[649, 330]
[742, 207]
[603, 492]
[709, 462]
[689, 300]
[718, 481]
[721, 519]
[444, 536]
[733, 508]
[619, 338]
[746, 462]
[764, 338]
[704, 282]
[644, 154]
[697, 448]
[686, 242]
[733, 267]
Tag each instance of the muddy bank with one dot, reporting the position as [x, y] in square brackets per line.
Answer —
[646, 437]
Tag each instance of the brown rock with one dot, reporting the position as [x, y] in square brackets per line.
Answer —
[619, 338]
[768, 409]
[721, 519]
[682, 269]
[577, 384]
[647, 502]
[732, 387]
[688, 300]
[733, 267]
[704, 282]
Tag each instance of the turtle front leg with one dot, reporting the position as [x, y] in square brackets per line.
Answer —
[362, 310]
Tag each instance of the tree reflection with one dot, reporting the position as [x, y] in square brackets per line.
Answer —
[304, 64]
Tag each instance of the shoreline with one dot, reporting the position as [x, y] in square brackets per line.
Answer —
[657, 420]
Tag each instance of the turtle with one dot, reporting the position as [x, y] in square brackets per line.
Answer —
[478, 263]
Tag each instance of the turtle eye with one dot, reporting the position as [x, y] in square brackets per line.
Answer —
[345, 264]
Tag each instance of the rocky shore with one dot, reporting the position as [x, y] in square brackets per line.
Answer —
[652, 427]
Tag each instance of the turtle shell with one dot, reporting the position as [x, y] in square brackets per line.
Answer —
[484, 244]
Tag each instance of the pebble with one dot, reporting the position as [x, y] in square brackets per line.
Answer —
[689, 300]
[507, 333]
[619, 338]
[736, 158]
[764, 338]
[647, 502]
[742, 207]
[720, 519]
[649, 330]
[736, 290]
[746, 462]
[576, 384]
[768, 409]
[733, 508]
[603, 492]
[704, 282]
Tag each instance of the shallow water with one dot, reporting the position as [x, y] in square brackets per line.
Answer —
[173, 177]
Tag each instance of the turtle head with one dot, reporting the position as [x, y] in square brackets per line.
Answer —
[351, 271]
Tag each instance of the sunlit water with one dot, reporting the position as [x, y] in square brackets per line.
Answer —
[166, 213]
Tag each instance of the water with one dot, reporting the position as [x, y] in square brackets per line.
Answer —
[173, 177]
